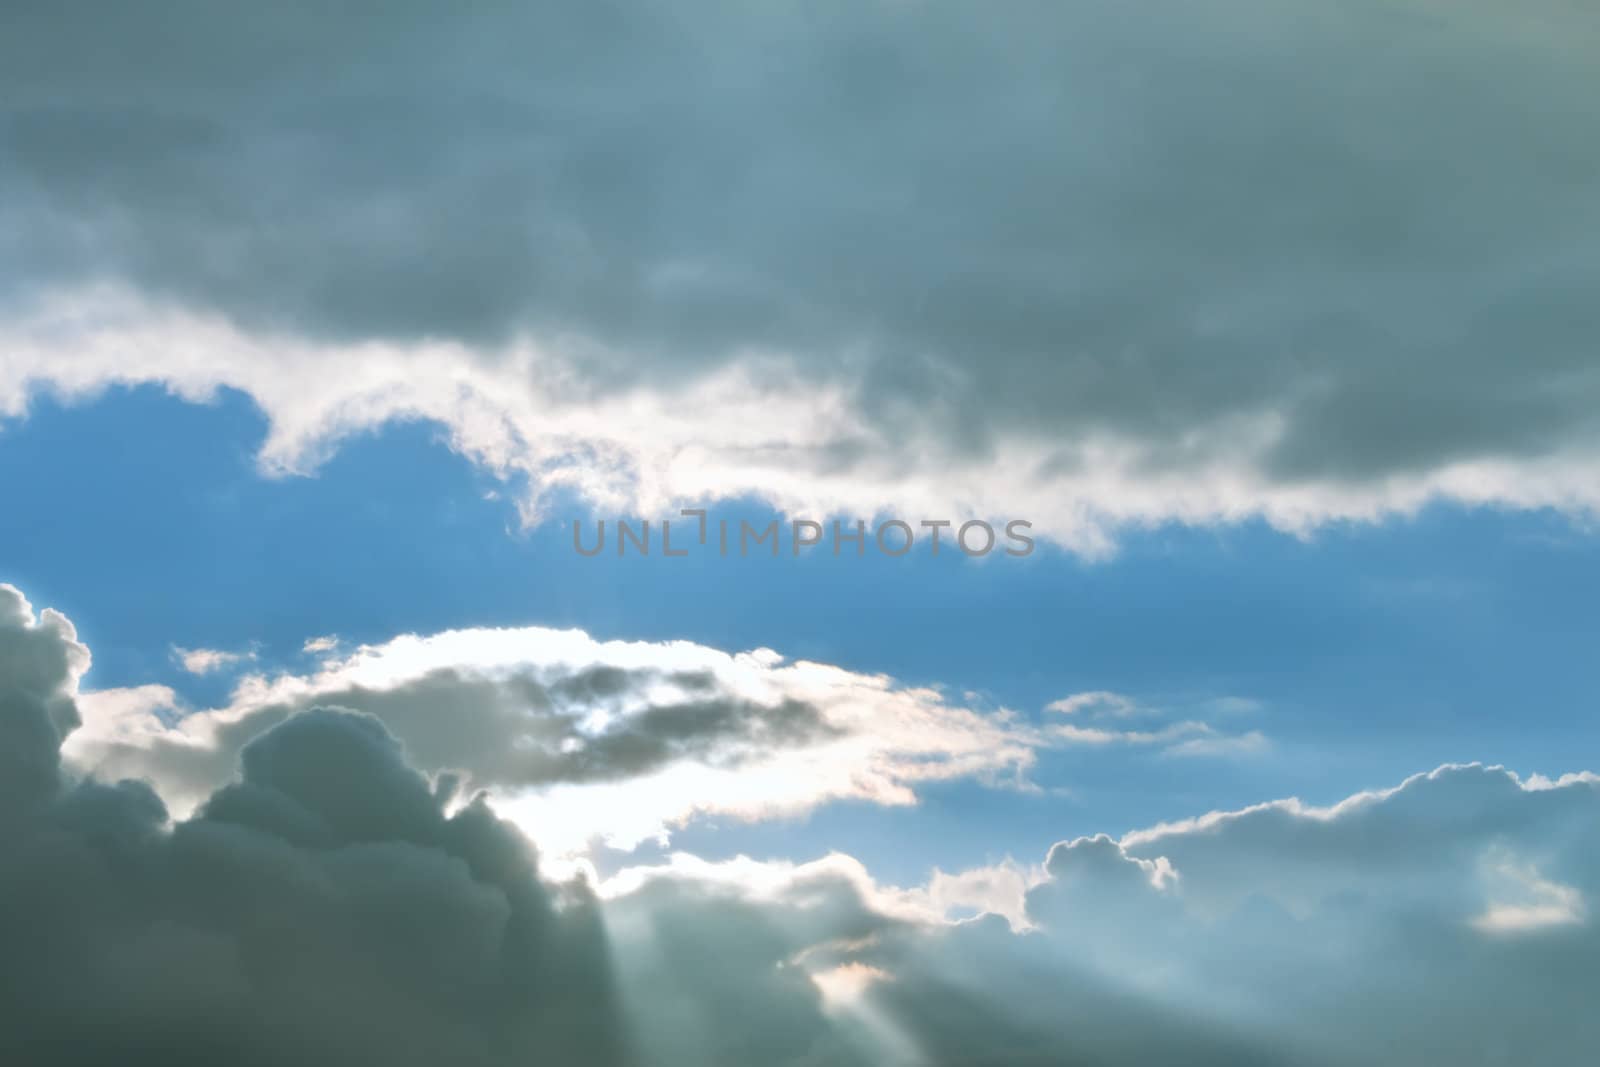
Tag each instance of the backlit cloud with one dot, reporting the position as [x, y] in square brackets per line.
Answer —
[1076, 263]
[615, 740]
[327, 900]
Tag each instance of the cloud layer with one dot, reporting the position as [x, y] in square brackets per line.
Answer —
[1077, 263]
[329, 903]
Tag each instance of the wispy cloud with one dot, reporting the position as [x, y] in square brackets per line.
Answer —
[1105, 718]
[202, 661]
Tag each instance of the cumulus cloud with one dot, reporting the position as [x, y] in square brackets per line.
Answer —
[617, 740]
[328, 902]
[1444, 920]
[1401, 926]
[1078, 263]
[816, 964]
[41, 661]
[321, 908]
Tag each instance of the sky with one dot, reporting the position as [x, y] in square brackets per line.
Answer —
[322, 335]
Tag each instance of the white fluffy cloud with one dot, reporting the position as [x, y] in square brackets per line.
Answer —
[1076, 263]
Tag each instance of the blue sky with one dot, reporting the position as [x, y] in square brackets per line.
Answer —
[1365, 651]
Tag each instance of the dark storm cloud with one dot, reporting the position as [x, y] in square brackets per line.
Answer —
[1053, 222]
[319, 910]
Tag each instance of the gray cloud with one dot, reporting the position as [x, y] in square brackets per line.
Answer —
[40, 662]
[1266, 248]
[321, 909]
[1446, 921]
[720, 977]
[512, 732]
[616, 740]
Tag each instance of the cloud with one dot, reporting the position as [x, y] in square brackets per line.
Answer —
[41, 661]
[203, 661]
[1110, 714]
[617, 740]
[320, 908]
[1443, 921]
[1071, 263]
[1524, 901]
[323, 906]
[328, 902]
[1101, 702]
[626, 741]
[1212, 744]
[813, 964]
